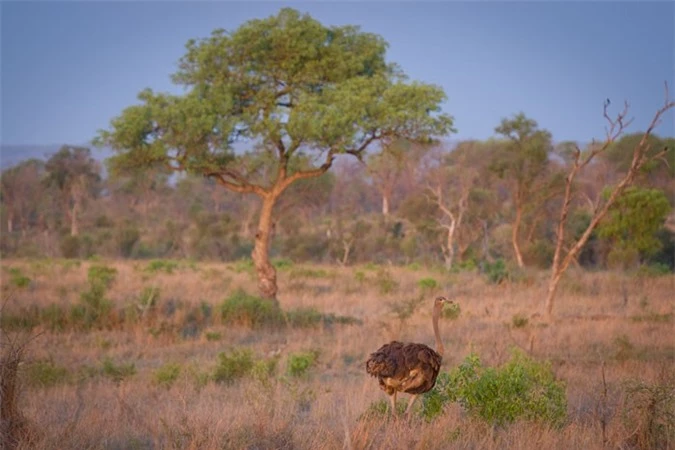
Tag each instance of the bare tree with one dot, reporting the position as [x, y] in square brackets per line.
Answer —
[564, 254]
[450, 193]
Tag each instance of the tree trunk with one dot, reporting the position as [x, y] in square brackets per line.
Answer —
[74, 226]
[385, 205]
[514, 236]
[267, 274]
[552, 288]
[449, 251]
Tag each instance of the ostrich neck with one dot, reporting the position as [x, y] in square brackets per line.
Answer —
[439, 344]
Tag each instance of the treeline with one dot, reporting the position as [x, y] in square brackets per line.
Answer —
[461, 205]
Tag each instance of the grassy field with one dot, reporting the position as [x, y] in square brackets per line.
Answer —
[160, 354]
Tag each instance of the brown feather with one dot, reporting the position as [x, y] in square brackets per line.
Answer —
[411, 368]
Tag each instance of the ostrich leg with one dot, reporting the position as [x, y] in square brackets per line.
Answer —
[392, 399]
[410, 405]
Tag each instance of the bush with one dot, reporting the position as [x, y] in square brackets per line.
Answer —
[18, 279]
[160, 265]
[94, 307]
[451, 311]
[427, 284]
[233, 365]
[496, 272]
[241, 308]
[300, 363]
[115, 372]
[386, 282]
[46, 374]
[649, 412]
[522, 388]
[519, 321]
[167, 374]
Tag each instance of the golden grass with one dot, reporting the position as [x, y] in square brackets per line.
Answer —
[624, 322]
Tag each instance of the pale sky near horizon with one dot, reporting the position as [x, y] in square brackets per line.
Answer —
[68, 68]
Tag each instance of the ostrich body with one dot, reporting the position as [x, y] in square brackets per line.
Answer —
[410, 368]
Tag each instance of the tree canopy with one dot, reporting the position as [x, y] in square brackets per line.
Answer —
[288, 82]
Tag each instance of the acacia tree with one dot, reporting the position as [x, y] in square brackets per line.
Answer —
[643, 153]
[522, 163]
[299, 89]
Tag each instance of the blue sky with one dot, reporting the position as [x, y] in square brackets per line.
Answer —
[70, 67]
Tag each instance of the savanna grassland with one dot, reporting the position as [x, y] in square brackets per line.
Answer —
[175, 354]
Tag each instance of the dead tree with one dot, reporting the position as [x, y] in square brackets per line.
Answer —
[564, 255]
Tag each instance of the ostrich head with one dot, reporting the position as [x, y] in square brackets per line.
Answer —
[440, 301]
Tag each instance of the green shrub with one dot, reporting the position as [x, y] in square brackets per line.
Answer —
[244, 265]
[241, 308]
[386, 283]
[654, 270]
[160, 265]
[451, 312]
[115, 372]
[233, 365]
[522, 388]
[264, 370]
[17, 278]
[167, 374]
[94, 307]
[282, 264]
[496, 272]
[304, 317]
[427, 284]
[54, 317]
[519, 321]
[213, 336]
[46, 374]
[300, 363]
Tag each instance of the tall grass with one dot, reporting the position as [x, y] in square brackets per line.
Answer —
[204, 363]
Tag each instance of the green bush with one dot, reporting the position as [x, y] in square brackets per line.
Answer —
[233, 365]
[300, 363]
[213, 336]
[94, 307]
[427, 284]
[241, 308]
[264, 370]
[160, 265]
[522, 388]
[46, 374]
[519, 321]
[54, 317]
[496, 272]
[115, 372]
[244, 265]
[386, 282]
[282, 264]
[451, 312]
[167, 374]
[17, 278]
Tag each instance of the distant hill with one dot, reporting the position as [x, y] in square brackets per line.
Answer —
[11, 155]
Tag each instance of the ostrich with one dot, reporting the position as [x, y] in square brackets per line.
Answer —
[411, 368]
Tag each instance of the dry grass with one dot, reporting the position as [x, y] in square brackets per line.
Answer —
[622, 322]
